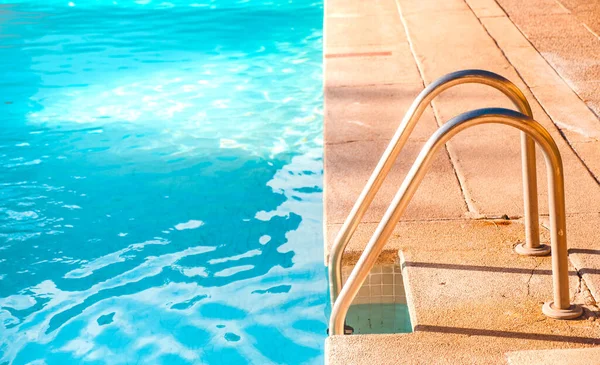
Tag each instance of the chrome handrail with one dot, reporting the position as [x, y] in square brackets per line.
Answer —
[532, 244]
[560, 308]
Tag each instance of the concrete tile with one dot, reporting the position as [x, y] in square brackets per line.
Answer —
[582, 46]
[559, 101]
[441, 345]
[584, 248]
[478, 187]
[482, 154]
[587, 12]
[588, 90]
[488, 164]
[485, 8]
[572, 49]
[549, 25]
[505, 33]
[349, 165]
[590, 19]
[379, 30]
[594, 106]
[430, 6]
[433, 35]
[487, 160]
[567, 110]
[372, 112]
[397, 68]
[334, 8]
[366, 50]
[490, 170]
[455, 27]
[533, 7]
[463, 98]
[574, 58]
[579, 6]
[503, 285]
[436, 235]
[532, 67]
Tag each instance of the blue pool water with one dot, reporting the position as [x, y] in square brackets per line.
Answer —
[160, 182]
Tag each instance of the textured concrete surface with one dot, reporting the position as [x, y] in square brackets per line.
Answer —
[483, 154]
[566, 33]
[472, 299]
[554, 357]
[584, 249]
[575, 120]
[441, 346]
[467, 234]
[567, 110]
[346, 174]
[586, 11]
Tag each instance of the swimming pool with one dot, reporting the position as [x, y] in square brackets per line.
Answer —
[161, 182]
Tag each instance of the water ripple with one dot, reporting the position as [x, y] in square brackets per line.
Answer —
[161, 185]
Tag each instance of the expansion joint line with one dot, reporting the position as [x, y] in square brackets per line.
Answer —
[564, 137]
[468, 200]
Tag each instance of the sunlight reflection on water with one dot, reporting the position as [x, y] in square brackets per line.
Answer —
[161, 192]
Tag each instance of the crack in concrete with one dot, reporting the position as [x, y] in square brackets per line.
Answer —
[579, 286]
[539, 262]
[583, 291]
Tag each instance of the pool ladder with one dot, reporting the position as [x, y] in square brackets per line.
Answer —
[531, 133]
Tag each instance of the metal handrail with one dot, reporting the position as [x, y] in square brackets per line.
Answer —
[560, 308]
[532, 244]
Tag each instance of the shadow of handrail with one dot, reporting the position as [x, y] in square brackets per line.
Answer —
[509, 270]
[507, 334]
[586, 251]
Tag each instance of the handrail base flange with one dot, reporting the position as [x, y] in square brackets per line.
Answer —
[541, 250]
[574, 311]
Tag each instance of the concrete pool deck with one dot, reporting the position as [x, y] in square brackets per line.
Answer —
[472, 299]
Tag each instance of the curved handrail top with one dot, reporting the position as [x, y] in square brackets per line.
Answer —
[396, 144]
[410, 184]
[489, 78]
